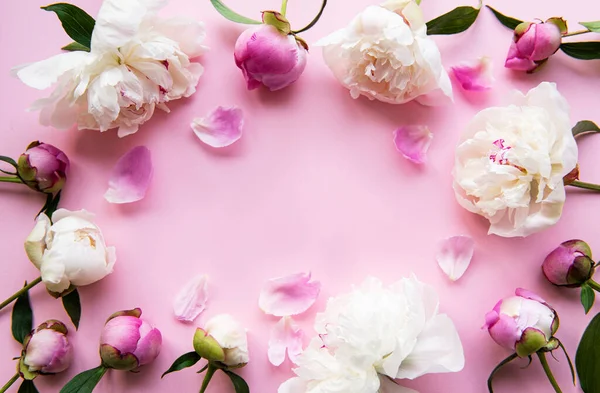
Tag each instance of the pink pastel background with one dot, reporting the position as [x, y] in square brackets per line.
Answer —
[315, 184]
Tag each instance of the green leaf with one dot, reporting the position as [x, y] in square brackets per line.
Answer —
[72, 305]
[238, 382]
[592, 26]
[51, 204]
[22, 317]
[587, 359]
[585, 126]
[184, 361]
[498, 367]
[587, 297]
[582, 50]
[77, 23]
[233, 16]
[507, 21]
[85, 382]
[75, 47]
[453, 22]
[27, 387]
[9, 161]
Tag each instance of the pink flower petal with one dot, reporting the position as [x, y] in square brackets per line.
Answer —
[455, 256]
[286, 336]
[289, 295]
[192, 299]
[222, 127]
[130, 177]
[413, 142]
[475, 76]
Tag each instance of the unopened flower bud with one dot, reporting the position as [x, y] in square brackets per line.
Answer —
[570, 264]
[47, 350]
[533, 44]
[43, 168]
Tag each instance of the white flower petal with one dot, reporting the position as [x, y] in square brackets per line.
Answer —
[454, 256]
[191, 300]
[35, 244]
[130, 177]
[116, 24]
[45, 73]
[285, 337]
[222, 127]
[289, 295]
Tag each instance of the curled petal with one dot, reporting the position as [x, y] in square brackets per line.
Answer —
[289, 295]
[413, 142]
[130, 177]
[454, 256]
[286, 336]
[475, 76]
[191, 300]
[222, 127]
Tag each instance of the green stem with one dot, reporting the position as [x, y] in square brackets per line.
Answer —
[498, 367]
[9, 383]
[209, 374]
[314, 21]
[595, 286]
[19, 293]
[284, 7]
[587, 186]
[10, 179]
[578, 32]
[548, 372]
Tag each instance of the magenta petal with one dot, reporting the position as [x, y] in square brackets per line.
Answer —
[130, 177]
[286, 336]
[454, 256]
[148, 347]
[474, 76]
[191, 300]
[413, 142]
[222, 127]
[527, 294]
[505, 331]
[289, 295]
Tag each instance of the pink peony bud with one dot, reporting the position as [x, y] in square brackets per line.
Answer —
[533, 44]
[524, 323]
[269, 57]
[47, 350]
[128, 342]
[43, 167]
[570, 264]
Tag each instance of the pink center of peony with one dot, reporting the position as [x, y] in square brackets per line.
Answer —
[499, 157]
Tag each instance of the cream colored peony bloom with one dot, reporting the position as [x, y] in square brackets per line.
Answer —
[69, 252]
[511, 162]
[137, 63]
[385, 54]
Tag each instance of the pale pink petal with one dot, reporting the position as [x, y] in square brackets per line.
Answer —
[289, 295]
[475, 76]
[455, 256]
[413, 142]
[130, 177]
[286, 336]
[222, 127]
[191, 300]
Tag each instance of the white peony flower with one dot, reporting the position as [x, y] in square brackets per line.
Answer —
[385, 54]
[137, 63]
[231, 336]
[511, 162]
[69, 252]
[376, 332]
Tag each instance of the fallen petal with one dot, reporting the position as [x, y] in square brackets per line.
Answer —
[413, 142]
[222, 127]
[192, 299]
[286, 336]
[289, 295]
[130, 177]
[455, 256]
[476, 76]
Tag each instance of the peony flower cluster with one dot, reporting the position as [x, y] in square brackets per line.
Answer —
[375, 333]
[137, 63]
[511, 162]
[385, 54]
